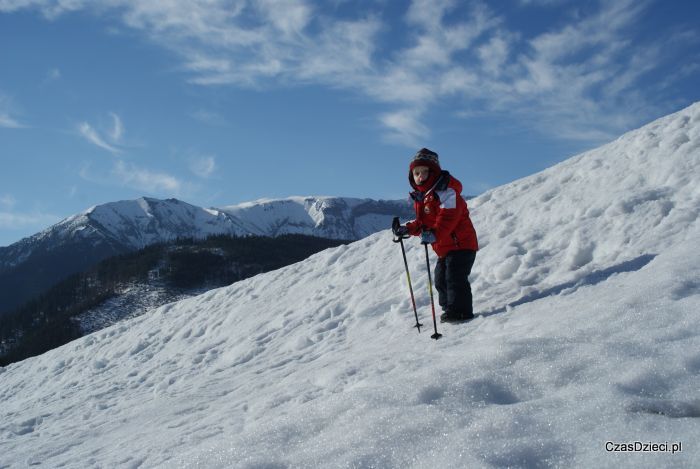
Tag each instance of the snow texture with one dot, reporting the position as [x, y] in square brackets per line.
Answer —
[588, 293]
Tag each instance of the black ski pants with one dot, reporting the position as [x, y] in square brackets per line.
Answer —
[452, 282]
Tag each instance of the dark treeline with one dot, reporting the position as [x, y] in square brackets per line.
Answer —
[49, 321]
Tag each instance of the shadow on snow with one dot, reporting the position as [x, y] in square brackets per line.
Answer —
[590, 279]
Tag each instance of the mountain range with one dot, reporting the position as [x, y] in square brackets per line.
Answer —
[33, 264]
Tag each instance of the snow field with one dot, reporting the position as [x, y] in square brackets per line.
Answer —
[588, 294]
[631, 198]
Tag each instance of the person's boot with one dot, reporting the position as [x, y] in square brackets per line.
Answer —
[449, 316]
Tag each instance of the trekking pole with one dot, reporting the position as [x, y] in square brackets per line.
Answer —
[435, 336]
[399, 239]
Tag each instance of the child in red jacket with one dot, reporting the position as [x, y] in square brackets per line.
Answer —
[442, 220]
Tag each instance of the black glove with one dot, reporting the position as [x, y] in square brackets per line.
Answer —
[400, 231]
[427, 237]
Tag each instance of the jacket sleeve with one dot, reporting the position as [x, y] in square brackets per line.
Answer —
[414, 227]
[448, 215]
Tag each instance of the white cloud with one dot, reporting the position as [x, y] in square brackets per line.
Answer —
[449, 50]
[126, 174]
[93, 137]
[51, 9]
[403, 86]
[200, 63]
[494, 55]
[429, 13]
[543, 3]
[341, 55]
[146, 180]
[405, 127]
[117, 130]
[8, 121]
[436, 42]
[210, 117]
[578, 82]
[288, 16]
[110, 137]
[459, 80]
[6, 118]
[203, 166]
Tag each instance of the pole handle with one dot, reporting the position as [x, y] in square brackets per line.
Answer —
[395, 223]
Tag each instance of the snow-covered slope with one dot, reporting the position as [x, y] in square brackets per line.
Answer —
[588, 336]
[610, 208]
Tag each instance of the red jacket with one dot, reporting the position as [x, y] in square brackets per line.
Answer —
[443, 210]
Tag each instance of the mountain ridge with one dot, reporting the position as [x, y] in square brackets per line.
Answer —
[35, 263]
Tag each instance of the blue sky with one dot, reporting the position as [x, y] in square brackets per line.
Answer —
[220, 102]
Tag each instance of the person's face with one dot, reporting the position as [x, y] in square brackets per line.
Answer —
[420, 174]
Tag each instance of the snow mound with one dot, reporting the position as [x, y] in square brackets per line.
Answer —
[588, 336]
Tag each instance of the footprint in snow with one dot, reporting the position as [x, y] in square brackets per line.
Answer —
[25, 427]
